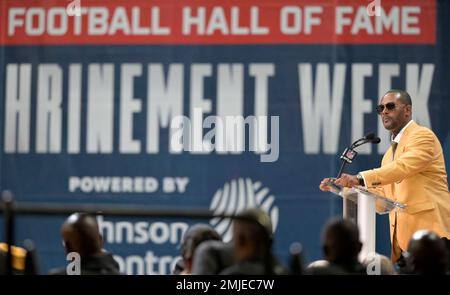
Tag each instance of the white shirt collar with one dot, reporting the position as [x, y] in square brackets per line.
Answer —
[400, 134]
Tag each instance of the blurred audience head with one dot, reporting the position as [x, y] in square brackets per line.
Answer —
[340, 242]
[212, 257]
[318, 263]
[193, 237]
[427, 253]
[80, 234]
[252, 235]
[378, 264]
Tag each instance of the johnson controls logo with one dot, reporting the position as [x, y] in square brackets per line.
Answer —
[237, 195]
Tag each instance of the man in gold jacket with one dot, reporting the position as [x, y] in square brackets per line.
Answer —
[412, 172]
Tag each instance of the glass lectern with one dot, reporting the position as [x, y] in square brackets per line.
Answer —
[361, 206]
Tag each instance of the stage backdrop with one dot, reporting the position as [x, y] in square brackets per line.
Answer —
[127, 102]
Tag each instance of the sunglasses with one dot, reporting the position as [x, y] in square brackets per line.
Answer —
[389, 106]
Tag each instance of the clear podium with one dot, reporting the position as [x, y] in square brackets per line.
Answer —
[361, 206]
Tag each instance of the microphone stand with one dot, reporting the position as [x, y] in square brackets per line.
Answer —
[344, 163]
[347, 160]
[350, 209]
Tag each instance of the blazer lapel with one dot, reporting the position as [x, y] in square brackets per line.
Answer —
[401, 145]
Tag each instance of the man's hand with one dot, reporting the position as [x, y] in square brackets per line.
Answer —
[347, 180]
[323, 185]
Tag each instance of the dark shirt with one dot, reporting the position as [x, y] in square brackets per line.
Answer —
[211, 257]
[335, 269]
[254, 267]
[94, 265]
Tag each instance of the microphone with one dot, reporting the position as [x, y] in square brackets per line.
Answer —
[369, 137]
[376, 140]
[350, 154]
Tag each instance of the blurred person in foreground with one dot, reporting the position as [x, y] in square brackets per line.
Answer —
[341, 246]
[252, 240]
[427, 254]
[80, 234]
[377, 264]
[212, 257]
[194, 237]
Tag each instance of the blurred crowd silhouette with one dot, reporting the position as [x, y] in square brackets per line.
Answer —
[203, 252]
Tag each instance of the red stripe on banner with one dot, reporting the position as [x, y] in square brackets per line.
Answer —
[218, 22]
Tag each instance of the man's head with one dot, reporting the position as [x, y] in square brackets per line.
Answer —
[193, 237]
[395, 109]
[80, 234]
[252, 234]
[340, 242]
[427, 253]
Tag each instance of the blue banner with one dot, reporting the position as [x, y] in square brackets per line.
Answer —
[94, 124]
